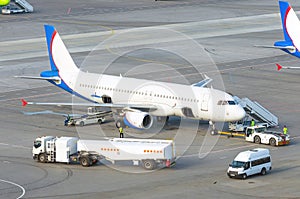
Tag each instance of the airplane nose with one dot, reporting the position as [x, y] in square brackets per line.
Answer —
[235, 113]
[240, 113]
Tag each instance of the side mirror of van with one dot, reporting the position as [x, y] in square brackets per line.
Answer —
[230, 165]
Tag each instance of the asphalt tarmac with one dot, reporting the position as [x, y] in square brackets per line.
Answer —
[172, 41]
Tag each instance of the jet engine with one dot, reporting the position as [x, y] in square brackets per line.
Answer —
[140, 120]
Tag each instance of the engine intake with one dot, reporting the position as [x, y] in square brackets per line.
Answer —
[140, 120]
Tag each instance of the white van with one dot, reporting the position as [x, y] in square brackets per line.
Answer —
[250, 162]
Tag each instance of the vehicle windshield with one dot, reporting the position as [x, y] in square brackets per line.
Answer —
[237, 164]
[260, 129]
[37, 144]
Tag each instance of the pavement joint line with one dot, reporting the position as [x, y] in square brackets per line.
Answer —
[183, 27]
[33, 96]
[217, 151]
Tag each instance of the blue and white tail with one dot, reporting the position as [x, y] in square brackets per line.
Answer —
[291, 30]
[59, 56]
[63, 71]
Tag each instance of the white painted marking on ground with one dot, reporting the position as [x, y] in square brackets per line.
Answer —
[15, 184]
[15, 146]
[19, 146]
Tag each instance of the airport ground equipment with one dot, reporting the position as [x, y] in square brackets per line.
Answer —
[149, 153]
[259, 134]
[257, 111]
[93, 116]
[241, 125]
[18, 6]
[246, 163]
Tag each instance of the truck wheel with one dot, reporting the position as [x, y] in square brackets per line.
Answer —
[85, 161]
[244, 176]
[99, 121]
[272, 142]
[257, 139]
[263, 171]
[42, 158]
[149, 164]
[81, 123]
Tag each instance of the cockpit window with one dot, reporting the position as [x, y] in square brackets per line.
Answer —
[223, 102]
[231, 102]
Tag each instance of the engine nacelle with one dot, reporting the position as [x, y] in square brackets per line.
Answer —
[140, 120]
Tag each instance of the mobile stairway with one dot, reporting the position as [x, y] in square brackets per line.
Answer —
[17, 6]
[257, 111]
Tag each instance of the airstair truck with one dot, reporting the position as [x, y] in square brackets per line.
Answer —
[146, 152]
[19, 6]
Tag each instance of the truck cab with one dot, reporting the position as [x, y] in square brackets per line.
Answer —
[39, 147]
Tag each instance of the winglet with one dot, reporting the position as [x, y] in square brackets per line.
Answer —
[204, 82]
[24, 102]
[279, 67]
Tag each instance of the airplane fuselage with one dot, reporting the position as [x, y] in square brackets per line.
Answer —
[169, 98]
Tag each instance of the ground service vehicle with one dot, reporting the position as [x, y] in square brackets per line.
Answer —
[250, 162]
[85, 119]
[259, 134]
[18, 6]
[241, 125]
[146, 152]
[93, 116]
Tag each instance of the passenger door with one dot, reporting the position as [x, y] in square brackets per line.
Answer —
[204, 103]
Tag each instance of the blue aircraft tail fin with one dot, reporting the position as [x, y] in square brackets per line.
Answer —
[285, 8]
[59, 56]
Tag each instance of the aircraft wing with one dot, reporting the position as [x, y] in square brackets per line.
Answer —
[107, 105]
[279, 67]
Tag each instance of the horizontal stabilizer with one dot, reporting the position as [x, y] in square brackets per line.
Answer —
[204, 82]
[55, 79]
[290, 48]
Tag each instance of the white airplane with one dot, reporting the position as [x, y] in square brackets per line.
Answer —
[138, 100]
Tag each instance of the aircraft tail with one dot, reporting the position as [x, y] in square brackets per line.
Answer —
[290, 27]
[60, 58]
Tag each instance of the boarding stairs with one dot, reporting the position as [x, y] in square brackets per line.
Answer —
[24, 5]
[257, 111]
[17, 6]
